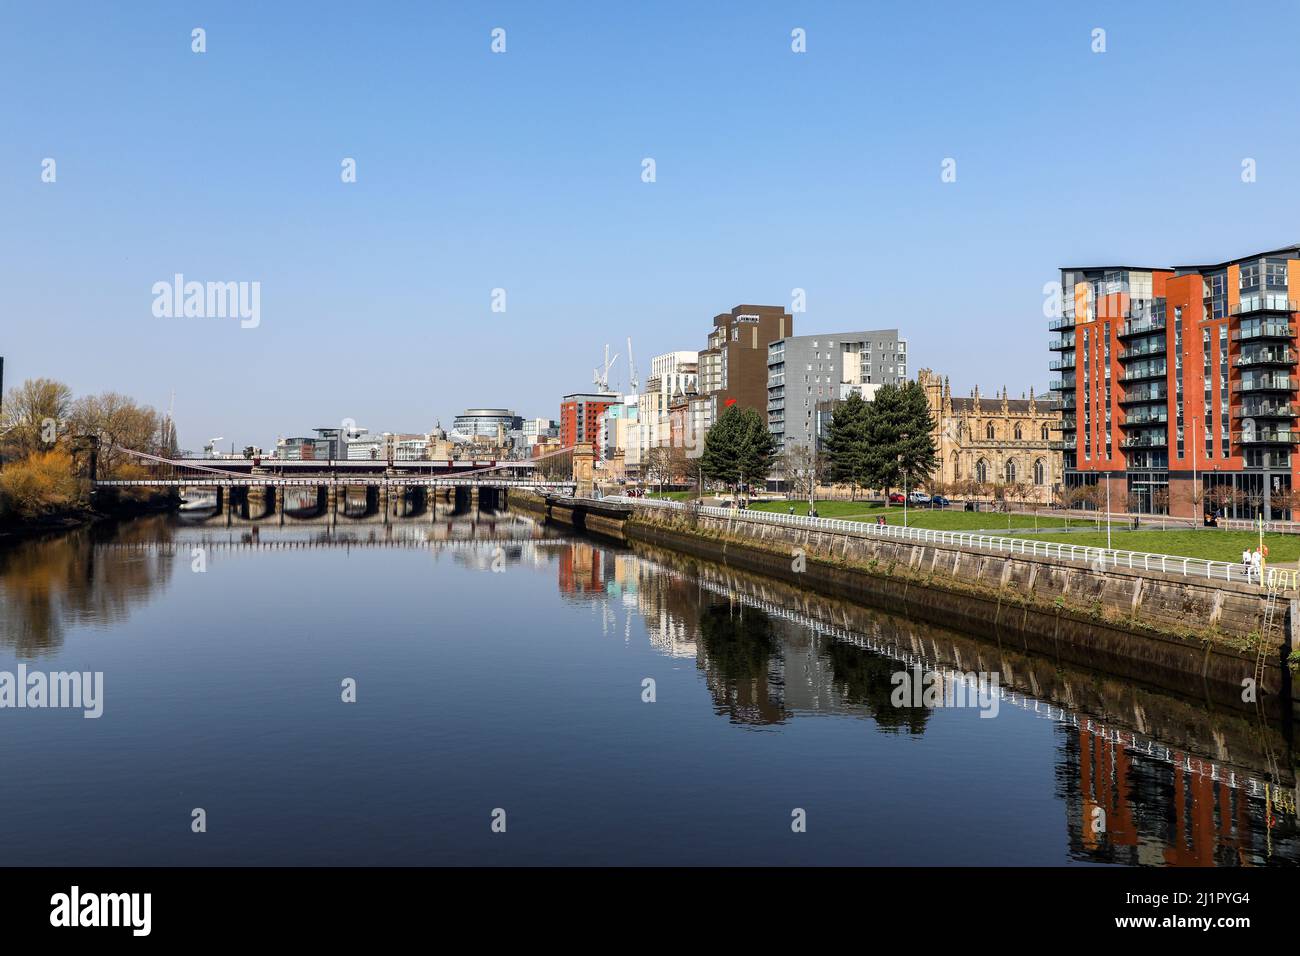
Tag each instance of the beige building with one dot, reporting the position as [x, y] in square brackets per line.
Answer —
[998, 440]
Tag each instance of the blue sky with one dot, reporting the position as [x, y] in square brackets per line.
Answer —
[522, 171]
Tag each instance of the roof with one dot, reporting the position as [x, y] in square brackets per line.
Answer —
[994, 402]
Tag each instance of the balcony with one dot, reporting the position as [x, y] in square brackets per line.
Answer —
[1061, 385]
[1267, 356]
[1266, 436]
[1264, 302]
[1278, 383]
[1063, 425]
[1138, 373]
[1148, 394]
[1265, 330]
[1141, 327]
[1062, 364]
[1264, 410]
[1063, 342]
[1151, 440]
[1061, 323]
[1062, 445]
[1151, 417]
[1156, 349]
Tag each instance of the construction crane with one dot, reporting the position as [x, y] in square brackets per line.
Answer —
[632, 380]
[601, 375]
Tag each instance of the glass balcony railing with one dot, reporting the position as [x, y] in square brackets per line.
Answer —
[1141, 326]
[1135, 373]
[1264, 330]
[1157, 348]
[1148, 440]
[1061, 364]
[1275, 356]
[1153, 416]
[1264, 302]
[1063, 342]
[1264, 383]
[1061, 385]
[1266, 436]
[1264, 410]
[1149, 393]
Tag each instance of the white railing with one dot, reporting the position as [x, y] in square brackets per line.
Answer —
[1100, 558]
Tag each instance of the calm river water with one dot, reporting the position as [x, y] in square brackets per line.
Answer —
[502, 672]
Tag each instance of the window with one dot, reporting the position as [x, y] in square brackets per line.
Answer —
[988, 431]
[1044, 432]
[981, 471]
[1010, 471]
[1019, 436]
[1040, 472]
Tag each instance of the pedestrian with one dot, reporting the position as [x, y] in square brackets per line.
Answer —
[1245, 562]
[1257, 565]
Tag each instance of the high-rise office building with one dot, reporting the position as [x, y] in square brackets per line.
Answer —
[803, 370]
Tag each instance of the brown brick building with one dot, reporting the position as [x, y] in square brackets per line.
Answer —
[733, 369]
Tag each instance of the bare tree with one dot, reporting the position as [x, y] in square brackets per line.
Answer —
[35, 417]
[657, 466]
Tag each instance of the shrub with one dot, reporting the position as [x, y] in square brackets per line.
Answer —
[41, 484]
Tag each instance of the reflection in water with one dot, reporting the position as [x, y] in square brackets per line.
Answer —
[49, 585]
[1143, 777]
[770, 652]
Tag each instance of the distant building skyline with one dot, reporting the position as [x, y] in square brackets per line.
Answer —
[490, 244]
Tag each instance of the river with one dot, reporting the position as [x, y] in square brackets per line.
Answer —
[527, 696]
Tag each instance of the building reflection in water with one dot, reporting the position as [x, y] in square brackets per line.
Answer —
[1146, 777]
[1174, 785]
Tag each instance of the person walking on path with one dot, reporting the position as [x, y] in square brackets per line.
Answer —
[1257, 566]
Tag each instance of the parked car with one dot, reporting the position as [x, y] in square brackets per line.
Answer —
[939, 501]
[896, 498]
[919, 498]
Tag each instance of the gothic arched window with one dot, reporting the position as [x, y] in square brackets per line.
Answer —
[1040, 472]
[988, 431]
[1011, 471]
[1018, 433]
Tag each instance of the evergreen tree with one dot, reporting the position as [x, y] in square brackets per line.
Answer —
[738, 448]
[899, 437]
[846, 444]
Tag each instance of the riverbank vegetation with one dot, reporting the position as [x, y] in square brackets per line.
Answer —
[48, 439]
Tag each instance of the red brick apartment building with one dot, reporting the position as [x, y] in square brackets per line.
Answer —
[580, 415]
[1177, 386]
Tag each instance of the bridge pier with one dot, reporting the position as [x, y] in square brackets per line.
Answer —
[383, 500]
[279, 501]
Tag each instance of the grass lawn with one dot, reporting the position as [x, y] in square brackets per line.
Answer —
[939, 520]
[1209, 543]
[672, 495]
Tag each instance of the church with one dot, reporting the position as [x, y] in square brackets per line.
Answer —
[998, 440]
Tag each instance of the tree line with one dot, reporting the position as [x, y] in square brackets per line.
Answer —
[882, 444]
[42, 429]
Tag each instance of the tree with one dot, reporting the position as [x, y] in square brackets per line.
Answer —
[899, 437]
[657, 466]
[847, 445]
[738, 449]
[120, 423]
[799, 465]
[35, 416]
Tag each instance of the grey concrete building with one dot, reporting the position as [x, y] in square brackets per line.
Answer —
[803, 370]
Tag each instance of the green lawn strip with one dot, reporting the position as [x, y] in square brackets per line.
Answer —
[917, 517]
[672, 495]
[1209, 543]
